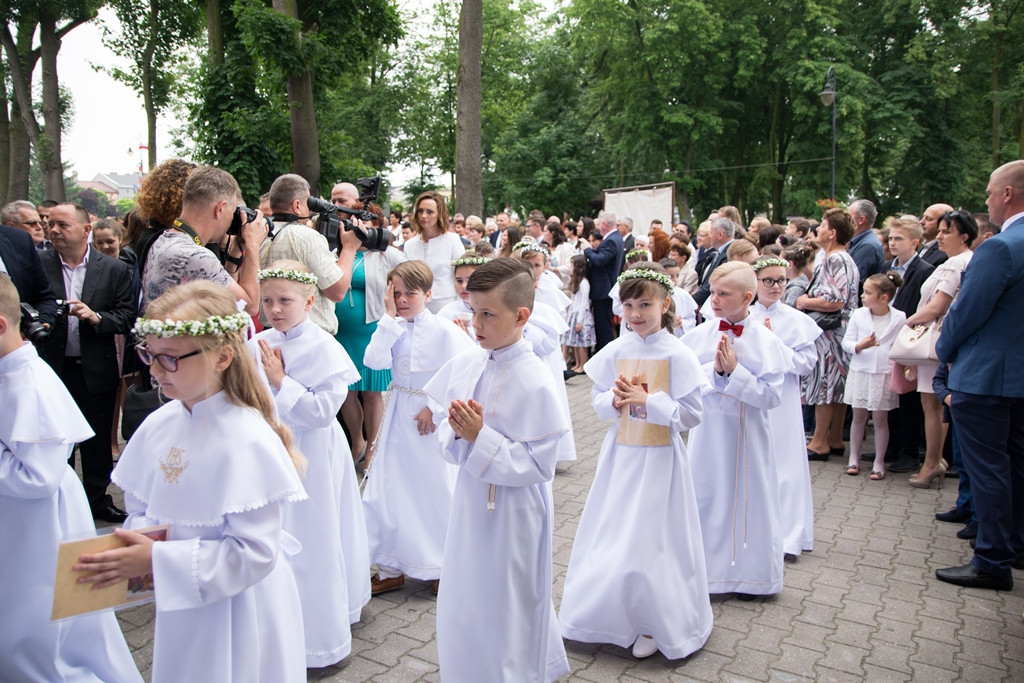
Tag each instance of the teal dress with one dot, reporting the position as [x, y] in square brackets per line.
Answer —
[354, 332]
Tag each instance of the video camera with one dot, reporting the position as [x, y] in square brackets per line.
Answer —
[330, 223]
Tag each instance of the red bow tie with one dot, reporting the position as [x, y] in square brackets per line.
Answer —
[735, 329]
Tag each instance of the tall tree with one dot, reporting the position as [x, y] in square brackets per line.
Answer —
[151, 33]
[468, 163]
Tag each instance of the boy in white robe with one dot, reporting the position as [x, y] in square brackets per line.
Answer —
[42, 503]
[734, 468]
[500, 422]
[408, 493]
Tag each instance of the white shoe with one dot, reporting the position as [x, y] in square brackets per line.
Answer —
[644, 647]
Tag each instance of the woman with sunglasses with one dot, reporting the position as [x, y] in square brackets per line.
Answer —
[957, 231]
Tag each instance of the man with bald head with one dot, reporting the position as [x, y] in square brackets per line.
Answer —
[930, 251]
[346, 194]
[981, 335]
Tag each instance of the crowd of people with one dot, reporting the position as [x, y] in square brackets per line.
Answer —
[271, 365]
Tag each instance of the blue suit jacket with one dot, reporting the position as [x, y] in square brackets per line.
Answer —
[21, 259]
[605, 264]
[982, 335]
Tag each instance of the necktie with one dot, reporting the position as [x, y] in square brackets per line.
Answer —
[735, 329]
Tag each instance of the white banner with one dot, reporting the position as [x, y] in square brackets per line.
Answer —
[643, 205]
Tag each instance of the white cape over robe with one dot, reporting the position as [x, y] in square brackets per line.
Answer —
[408, 494]
[797, 332]
[544, 331]
[495, 618]
[331, 571]
[637, 564]
[42, 503]
[734, 469]
[227, 608]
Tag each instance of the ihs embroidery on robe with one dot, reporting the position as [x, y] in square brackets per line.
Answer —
[172, 465]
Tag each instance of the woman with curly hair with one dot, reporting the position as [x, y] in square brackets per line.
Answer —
[659, 244]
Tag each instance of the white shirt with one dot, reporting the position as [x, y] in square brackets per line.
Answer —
[1009, 221]
[74, 278]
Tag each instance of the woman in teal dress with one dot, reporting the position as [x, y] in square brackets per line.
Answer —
[358, 313]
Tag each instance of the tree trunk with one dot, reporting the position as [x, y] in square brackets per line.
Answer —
[468, 169]
[147, 101]
[24, 127]
[20, 158]
[997, 59]
[302, 112]
[5, 136]
[214, 32]
[49, 143]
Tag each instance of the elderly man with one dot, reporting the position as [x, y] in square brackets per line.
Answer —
[295, 240]
[722, 232]
[81, 349]
[865, 248]
[930, 251]
[605, 264]
[209, 204]
[981, 335]
[503, 222]
[625, 229]
[22, 215]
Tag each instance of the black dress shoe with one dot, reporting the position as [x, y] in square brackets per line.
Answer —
[970, 576]
[969, 531]
[568, 374]
[952, 473]
[110, 513]
[905, 464]
[954, 516]
[1018, 562]
[745, 597]
[817, 457]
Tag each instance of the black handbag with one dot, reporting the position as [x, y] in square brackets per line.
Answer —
[139, 402]
[827, 321]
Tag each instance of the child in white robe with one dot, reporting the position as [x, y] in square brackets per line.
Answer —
[42, 503]
[458, 311]
[734, 468]
[308, 373]
[626, 585]
[408, 492]
[797, 331]
[218, 467]
[500, 422]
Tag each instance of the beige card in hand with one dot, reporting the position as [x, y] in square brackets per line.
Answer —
[71, 598]
[634, 429]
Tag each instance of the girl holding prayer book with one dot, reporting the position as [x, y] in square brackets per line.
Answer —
[627, 584]
[218, 467]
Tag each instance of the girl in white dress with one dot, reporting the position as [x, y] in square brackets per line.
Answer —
[308, 373]
[869, 336]
[637, 572]
[581, 335]
[797, 332]
[218, 467]
[458, 311]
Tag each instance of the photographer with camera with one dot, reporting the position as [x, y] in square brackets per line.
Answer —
[80, 346]
[210, 207]
[19, 259]
[294, 240]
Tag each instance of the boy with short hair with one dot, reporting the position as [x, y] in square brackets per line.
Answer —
[500, 420]
[408, 492]
[733, 466]
[42, 503]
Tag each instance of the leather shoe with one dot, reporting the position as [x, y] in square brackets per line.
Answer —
[954, 516]
[814, 456]
[905, 464]
[952, 473]
[1018, 562]
[970, 576]
[109, 512]
[969, 531]
[379, 585]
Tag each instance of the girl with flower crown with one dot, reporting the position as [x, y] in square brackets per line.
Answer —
[308, 375]
[458, 311]
[637, 574]
[219, 468]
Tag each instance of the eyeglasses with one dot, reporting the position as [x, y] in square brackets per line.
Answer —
[167, 362]
[773, 281]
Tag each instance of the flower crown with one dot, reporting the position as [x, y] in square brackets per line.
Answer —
[470, 261]
[646, 274]
[215, 324]
[534, 247]
[281, 274]
[769, 262]
[639, 252]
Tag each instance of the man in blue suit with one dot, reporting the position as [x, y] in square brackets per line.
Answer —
[605, 264]
[982, 340]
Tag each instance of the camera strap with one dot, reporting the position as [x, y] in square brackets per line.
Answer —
[188, 230]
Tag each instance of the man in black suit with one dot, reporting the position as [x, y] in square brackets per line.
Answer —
[722, 232]
[503, 222]
[605, 264]
[20, 260]
[907, 422]
[625, 228]
[81, 346]
[930, 251]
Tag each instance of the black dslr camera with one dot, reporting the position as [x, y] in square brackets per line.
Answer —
[244, 215]
[330, 224]
[32, 327]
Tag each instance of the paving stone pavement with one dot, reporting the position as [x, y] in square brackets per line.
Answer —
[864, 605]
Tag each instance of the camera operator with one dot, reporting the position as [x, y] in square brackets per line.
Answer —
[80, 347]
[19, 258]
[294, 239]
[209, 204]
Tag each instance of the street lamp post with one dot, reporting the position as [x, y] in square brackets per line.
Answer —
[828, 97]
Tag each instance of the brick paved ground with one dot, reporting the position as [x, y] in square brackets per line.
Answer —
[863, 606]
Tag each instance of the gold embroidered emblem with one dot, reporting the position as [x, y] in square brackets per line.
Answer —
[173, 466]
